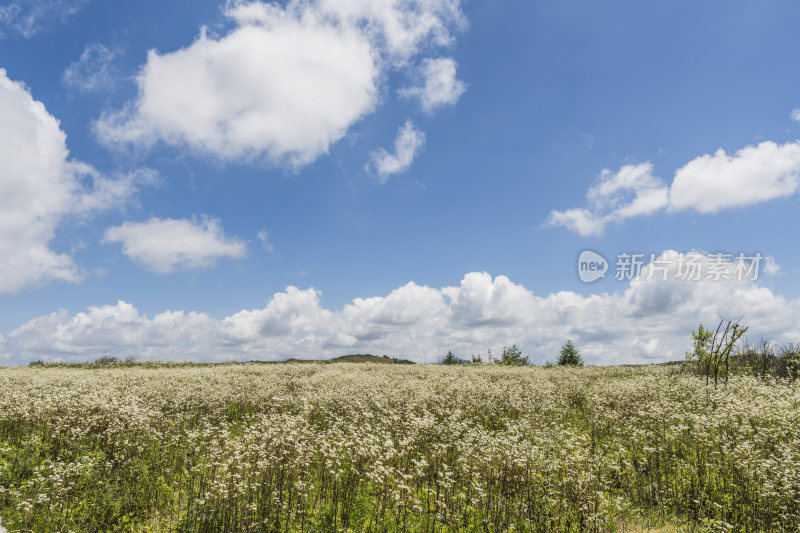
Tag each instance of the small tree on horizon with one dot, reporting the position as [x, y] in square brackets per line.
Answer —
[570, 356]
[451, 359]
[512, 356]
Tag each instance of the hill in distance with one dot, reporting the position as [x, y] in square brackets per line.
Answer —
[356, 358]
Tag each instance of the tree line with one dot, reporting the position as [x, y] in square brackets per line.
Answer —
[513, 356]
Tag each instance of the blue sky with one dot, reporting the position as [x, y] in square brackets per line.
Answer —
[422, 175]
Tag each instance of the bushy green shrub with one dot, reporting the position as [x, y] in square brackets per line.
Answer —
[512, 356]
[713, 350]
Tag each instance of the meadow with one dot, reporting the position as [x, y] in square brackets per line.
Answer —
[370, 447]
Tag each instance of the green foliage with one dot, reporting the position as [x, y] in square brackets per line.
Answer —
[451, 359]
[767, 360]
[570, 356]
[397, 361]
[712, 350]
[512, 356]
[701, 352]
[792, 357]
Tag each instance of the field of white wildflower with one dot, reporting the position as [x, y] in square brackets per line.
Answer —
[366, 447]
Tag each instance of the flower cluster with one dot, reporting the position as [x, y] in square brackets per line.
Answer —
[364, 447]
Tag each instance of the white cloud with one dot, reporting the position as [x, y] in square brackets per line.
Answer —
[167, 245]
[106, 192]
[93, 71]
[26, 18]
[263, 236]
[481, 301]
[754, 174]
[707, 184]
[633, 191]
[770, 266]
[440, 87]
[285, 84]
[39, 187]
[407, 145]
[399, 27]
[648, 321]
[796, 114]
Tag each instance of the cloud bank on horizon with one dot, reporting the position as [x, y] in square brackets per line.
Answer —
[648, 322]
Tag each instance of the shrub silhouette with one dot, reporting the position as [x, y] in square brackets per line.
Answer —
[451, 359]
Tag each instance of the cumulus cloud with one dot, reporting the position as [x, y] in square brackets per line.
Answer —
[632, 191]
[167, 245]
[480, 301]
[407, 145]
[284, 84]
[26, 18]
[440, 86]
[93, 71]
[754, 174]
[648, 321]
[707, 184]
[796, 114]
[40, 186]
